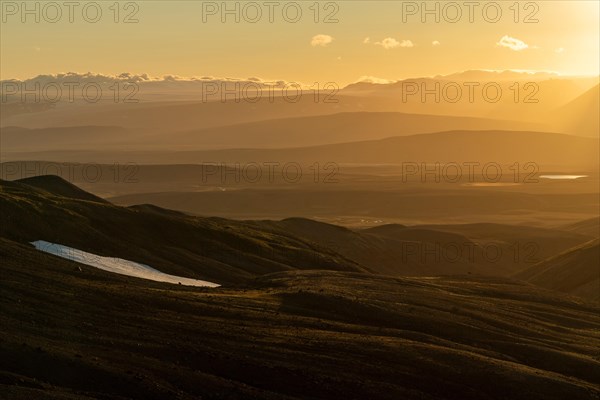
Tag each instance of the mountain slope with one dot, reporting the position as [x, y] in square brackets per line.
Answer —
[226, 251]
[487, 249]
[57, 186]
[575, 271]
[582, 115]
[293, 335]
[589, 227]
[211, 249]
[520, 96]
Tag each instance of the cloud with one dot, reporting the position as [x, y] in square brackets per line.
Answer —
[144, 80]
[391, 43]
[559, 50]
[374, 79]
[321, 40]
[367, 40]
[435, 43]
[512, 43]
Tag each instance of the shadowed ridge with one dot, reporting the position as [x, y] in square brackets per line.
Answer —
[305, 224]
[58, 186]
[437, 237]
[575, 271]
[589, 227]
[151, 208]
[211, 249]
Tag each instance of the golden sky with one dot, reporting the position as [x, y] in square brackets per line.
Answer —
[382, 39]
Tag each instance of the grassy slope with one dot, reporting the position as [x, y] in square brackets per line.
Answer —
[488, 249]
[575, 271]
[57, 186]
[589, 227]
[213, 249]
[226, 251]
[321, 335]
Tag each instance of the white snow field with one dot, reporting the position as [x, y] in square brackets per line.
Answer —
[116, 265]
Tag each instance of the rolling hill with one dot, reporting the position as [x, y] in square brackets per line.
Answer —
[225, 251]
[297, 316]
[213, 249]
[293, 335]
[575, 271]
[57, 186]
[589, 227]
[488, 249]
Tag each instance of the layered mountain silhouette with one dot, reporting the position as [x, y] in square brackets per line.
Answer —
[545, 149]
[336, 128]
[503, 147]
[270, 133]
[581, 116]
[503, 95]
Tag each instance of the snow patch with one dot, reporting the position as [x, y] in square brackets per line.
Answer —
[116, 265]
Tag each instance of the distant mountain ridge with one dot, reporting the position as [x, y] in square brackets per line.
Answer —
[581, 116]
